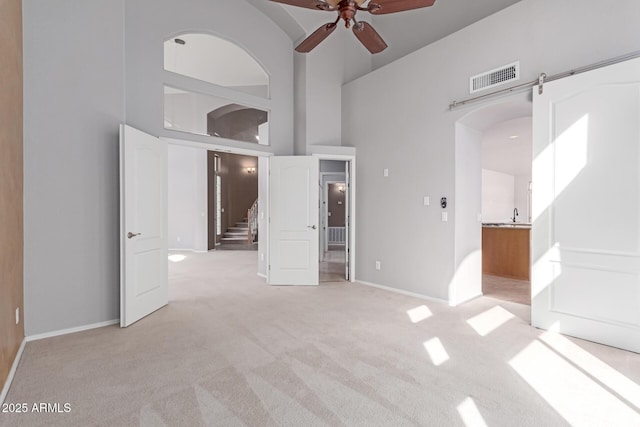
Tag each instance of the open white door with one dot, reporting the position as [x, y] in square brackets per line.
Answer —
[143, 225]
[293, 228]
[586, 206]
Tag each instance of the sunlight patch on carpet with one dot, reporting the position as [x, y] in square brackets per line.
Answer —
[595, 367]
[490, 320]
[419, 314]
[471, 416]
[571, 392]
[436, 350]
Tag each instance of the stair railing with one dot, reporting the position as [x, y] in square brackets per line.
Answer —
[252, 219]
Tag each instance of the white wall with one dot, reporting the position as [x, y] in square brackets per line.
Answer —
[80, 84]
[397, 117]
[521, 197]
[467, 281]
[73, 105]
[339, 59]
[187, 198]
[150, 22]
[498, 196]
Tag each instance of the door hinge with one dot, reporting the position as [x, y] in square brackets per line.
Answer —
[541, 78]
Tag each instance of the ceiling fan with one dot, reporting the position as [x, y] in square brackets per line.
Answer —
[347, 11]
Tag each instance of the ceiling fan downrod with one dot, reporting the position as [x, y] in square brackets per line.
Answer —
[348, 10]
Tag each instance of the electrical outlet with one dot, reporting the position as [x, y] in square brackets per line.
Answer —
[385, 172]
[378, 265]
[178, 238]
[445, 217]
[426, 200]
[17, 315]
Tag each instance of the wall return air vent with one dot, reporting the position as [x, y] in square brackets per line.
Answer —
[495, 77]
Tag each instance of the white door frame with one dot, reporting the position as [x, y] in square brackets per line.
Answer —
[351, 188]
[325, 208]
[263, 168]
[264, 156]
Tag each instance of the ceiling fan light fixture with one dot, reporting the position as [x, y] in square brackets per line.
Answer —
[347, 10]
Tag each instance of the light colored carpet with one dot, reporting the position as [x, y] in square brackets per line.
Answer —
[231, 351]
[507, 289]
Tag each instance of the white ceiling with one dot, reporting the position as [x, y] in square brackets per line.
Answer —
[502, 153]
[404, 32]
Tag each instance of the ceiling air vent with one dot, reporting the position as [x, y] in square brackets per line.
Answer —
[495, 77]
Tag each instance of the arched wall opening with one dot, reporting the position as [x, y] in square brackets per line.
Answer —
[469, 130]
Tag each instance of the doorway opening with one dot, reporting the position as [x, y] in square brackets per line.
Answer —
[493, 213]
[334, 220]
[506, 210]
[232, 201]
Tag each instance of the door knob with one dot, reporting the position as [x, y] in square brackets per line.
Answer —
[312, 226]
[131, 235]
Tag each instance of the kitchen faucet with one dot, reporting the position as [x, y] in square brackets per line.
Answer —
[515, 214]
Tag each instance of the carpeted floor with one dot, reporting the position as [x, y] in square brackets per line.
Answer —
[230, 351]
[507, 289]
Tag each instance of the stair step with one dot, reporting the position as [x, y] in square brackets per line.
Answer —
[234, 239]
[237, 230]
[242, 225]
[243, 235]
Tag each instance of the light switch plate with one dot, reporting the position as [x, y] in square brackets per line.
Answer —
[426, 200]
[385, 172]
[445, 217]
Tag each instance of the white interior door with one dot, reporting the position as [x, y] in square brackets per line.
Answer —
[586, 206]
[293, 228]
[143, 224]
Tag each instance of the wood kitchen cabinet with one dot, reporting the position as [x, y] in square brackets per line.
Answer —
[506, 251]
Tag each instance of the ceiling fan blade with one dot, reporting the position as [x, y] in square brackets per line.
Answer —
[309, 4]
[369, 37]
[316, 37]
[392, 6]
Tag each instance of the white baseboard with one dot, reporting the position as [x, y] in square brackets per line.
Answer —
[12, 372]
[467, 300]
[400, 291]
[264, 276]
[71, 330]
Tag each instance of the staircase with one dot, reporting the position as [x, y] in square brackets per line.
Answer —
[244, 235]
[236, 234]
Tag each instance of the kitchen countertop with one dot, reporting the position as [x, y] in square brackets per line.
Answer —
[506, 225]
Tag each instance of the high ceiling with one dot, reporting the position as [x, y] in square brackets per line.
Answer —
[404, 32]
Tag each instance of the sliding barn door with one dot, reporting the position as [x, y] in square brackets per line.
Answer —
[586, 206]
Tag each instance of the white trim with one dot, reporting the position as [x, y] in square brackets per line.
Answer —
[466, 300]
[332, 152]
[12, 372]
[188, 250]
[264, 276]
[72, 330]
[352, 203]
[324, 208]
[261, 150]
[400, 291]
